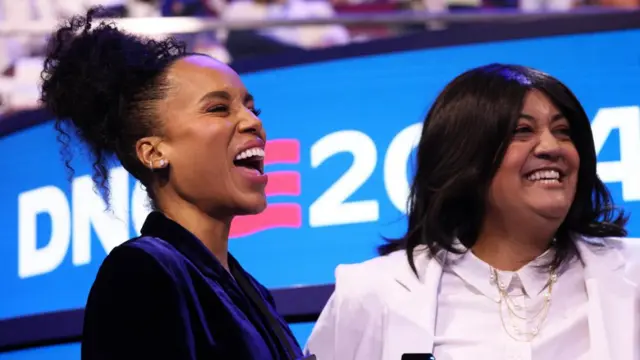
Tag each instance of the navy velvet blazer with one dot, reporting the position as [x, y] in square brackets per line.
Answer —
[164, 296]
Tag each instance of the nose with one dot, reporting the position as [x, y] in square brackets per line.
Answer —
[548, 147]
[250, 123]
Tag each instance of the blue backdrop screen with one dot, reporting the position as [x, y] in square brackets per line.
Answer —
[342, 135]
[54, 352]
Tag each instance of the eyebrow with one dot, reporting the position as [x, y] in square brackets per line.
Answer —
[555, 117]
[221, 94]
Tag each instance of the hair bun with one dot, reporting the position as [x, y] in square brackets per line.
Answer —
[99, 79]
[91, 73]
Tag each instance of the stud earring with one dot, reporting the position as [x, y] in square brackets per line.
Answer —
[162, 163]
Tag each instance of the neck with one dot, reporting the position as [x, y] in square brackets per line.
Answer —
[511, 247]
[212, 232]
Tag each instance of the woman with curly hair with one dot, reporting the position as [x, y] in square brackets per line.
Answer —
[186, 127]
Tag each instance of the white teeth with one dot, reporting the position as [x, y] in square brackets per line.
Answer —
[255, 152]
[545, 176]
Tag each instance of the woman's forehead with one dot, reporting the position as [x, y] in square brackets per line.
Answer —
[196, 75]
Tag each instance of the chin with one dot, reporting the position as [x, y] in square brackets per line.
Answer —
[552, 212]
[252, 206]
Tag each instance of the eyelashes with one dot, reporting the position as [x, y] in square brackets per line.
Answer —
[225, 109]
[526, 130]
[218, 109]
[522, 130]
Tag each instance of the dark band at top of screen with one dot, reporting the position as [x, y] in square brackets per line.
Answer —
[483, 32]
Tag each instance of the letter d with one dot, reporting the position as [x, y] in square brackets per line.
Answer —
[31, 260]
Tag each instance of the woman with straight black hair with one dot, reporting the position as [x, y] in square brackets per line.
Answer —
[513, 248]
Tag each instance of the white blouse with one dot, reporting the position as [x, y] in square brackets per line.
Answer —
[469, 323]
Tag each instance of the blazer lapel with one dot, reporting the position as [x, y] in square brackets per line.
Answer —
[412, 307]
[613, 319]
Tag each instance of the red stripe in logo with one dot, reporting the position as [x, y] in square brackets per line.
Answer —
[284, 183]
[274, 216]
[281, 183]
[282, 151]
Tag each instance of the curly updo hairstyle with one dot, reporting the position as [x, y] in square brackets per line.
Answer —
[101, 84]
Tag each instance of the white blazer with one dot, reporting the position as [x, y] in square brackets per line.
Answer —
[381, 310]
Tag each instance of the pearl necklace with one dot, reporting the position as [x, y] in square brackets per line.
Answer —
[514, 331]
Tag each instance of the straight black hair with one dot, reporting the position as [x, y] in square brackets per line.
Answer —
[464, 138]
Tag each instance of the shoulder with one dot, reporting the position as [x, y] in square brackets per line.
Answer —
[141, 259]
[628, 248]
[371, 268]
[152, 248]
[130, 275]
[614, 251]
[375, 276]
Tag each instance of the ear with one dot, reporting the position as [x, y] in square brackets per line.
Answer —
[150, 154]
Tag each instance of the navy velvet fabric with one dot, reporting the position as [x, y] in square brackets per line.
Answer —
[165, 296]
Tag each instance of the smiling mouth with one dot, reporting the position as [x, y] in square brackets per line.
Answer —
[251, 159]
[546, 176]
